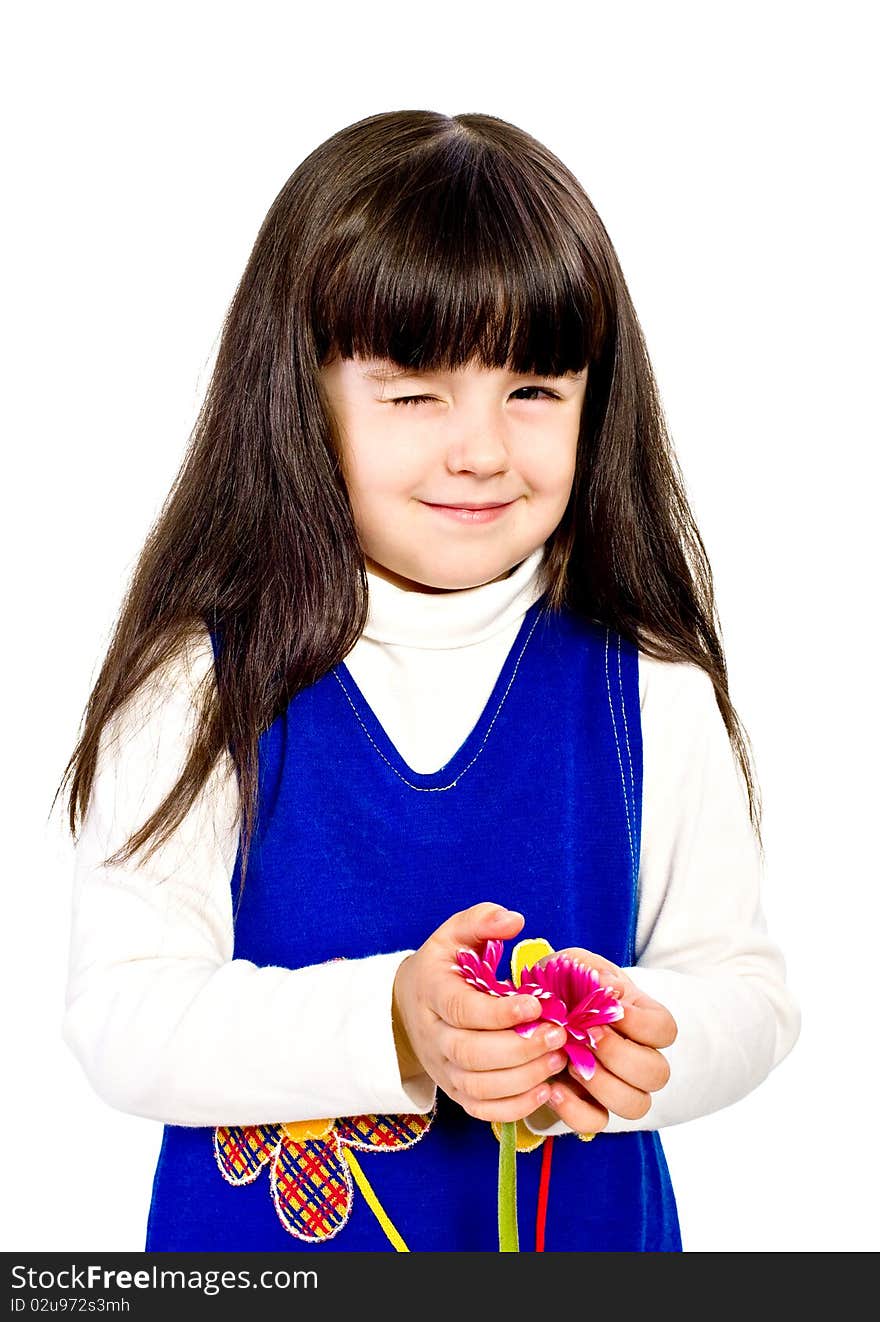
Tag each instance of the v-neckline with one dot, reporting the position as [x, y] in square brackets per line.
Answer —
[447, 776]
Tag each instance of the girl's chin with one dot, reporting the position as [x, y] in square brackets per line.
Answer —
[457, 579]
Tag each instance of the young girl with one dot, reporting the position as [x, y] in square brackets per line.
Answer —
[420, 654]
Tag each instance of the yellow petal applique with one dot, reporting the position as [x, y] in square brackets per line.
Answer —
[526, 1141]
[299, 1130]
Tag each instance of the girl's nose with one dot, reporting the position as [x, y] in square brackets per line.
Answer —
[479, 445]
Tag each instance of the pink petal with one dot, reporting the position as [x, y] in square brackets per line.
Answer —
[581, 1057]
[530, 978]
[566, 979]
[535, 989]
[492, 952]
[570, 980]
[482, 975]
[535, 981]
[526, 1030]
[585, 1016]
[553, 1008]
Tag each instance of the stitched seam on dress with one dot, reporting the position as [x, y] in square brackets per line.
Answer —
[626, 803]
[632, 784]
[435, 789]
[634, 845]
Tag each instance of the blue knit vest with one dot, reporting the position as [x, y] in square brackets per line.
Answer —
[354, 854]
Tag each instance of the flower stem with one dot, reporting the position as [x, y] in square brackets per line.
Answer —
[508, 1232]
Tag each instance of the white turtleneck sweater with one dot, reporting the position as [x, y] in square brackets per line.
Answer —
[168, 1025]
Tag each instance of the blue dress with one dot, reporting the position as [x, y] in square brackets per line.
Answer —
[539, 809]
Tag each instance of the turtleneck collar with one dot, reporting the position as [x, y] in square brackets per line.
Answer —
[450, 619]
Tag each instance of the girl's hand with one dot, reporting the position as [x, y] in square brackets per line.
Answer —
[460, 1036]
[629, 1066]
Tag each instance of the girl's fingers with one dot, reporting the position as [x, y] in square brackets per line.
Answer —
[579, 1111]
[612, 1093]
[504, 1108]
[462, 1006]
[484, 1049]
[646, 1020]
[639, 1066]
[489, 1085]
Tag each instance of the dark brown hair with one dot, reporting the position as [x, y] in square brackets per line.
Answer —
[433, 241]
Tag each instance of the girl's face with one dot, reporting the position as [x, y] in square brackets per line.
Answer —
[416, 447]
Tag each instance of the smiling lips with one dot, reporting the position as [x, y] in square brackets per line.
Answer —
[472, 513]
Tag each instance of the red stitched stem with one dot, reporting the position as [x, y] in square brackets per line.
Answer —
[543, 1191]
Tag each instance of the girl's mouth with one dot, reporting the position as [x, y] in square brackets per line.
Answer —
[486, 514]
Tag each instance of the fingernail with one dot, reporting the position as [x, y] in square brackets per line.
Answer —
[598, 1033]
[555, 1037]
[502, 915]
[556, 1096]
[542, 1094]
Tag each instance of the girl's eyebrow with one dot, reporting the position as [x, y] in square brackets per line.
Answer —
[386, 373]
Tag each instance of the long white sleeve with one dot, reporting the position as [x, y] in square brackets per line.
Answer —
[165, 1023]
[702, 947]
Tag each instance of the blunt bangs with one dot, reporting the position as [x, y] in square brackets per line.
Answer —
[459, 256]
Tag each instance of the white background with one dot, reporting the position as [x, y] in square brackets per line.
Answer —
[730, 151]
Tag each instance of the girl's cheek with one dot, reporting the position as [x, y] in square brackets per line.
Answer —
[547, 465]
[397, 470]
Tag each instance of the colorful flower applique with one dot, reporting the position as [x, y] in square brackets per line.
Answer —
[313, 1169]
[311, 1165]
[570, 995]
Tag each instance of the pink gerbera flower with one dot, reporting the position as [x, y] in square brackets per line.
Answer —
[570, 995]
